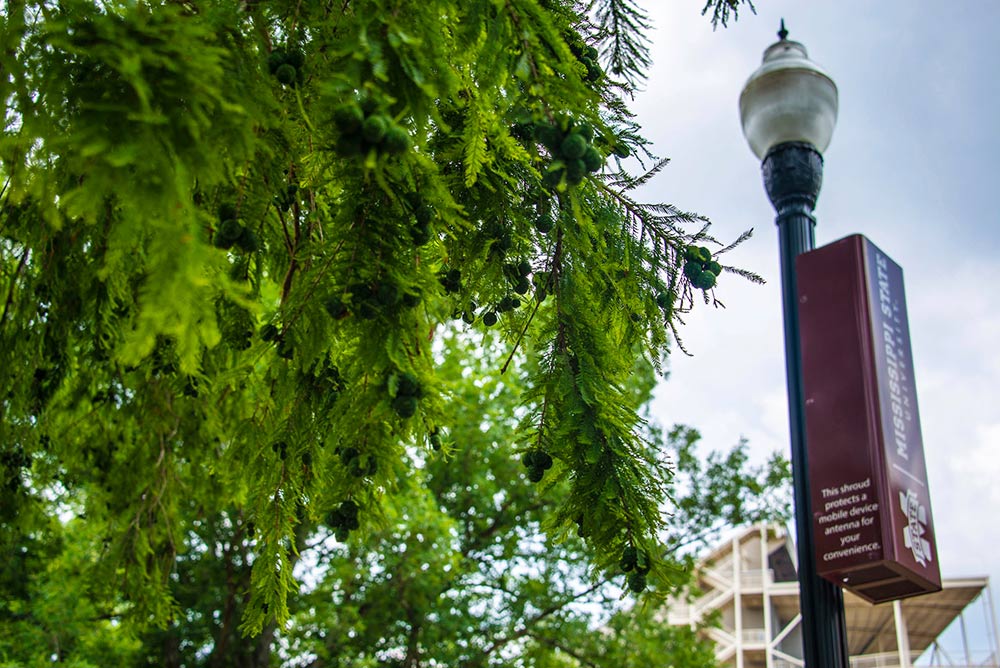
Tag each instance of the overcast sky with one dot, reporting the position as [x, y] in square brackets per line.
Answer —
[912, 165]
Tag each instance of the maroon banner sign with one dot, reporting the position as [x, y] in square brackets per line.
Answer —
[872, 522]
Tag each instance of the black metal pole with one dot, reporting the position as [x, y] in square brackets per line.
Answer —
[793, 175]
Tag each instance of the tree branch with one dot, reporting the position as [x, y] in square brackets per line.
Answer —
[552, 609]
[13, 283]
[563, 648]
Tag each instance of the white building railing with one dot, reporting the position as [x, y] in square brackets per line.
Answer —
[891, 660]
[755, 579]
[782, 663]
[881, 660]
[751, 578]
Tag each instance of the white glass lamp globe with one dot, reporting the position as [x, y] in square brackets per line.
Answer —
[788, 99]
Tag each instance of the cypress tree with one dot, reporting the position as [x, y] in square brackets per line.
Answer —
[230, 231]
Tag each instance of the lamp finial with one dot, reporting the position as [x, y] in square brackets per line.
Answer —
[783, 32]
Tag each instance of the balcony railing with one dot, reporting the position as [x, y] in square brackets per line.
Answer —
[749, 579]
[891, 660]
[882, 660]
[783, 663]
[754, 637]
[756, 578]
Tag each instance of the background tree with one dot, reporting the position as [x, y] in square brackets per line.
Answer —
[466, 567]
[230, 234]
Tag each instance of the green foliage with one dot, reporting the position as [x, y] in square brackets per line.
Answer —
[721, 490]
[632, 639]
[723, 11]
[455, 568]
[622, 30]
[47, 614]
[232, 234]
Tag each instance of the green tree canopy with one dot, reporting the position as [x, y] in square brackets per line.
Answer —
[466, 569]
[232, 234]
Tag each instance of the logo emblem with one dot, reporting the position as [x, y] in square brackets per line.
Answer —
[916, 527]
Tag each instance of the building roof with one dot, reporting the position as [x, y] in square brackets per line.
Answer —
[871, 628]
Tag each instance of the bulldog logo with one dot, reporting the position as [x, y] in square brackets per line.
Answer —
[916, 527]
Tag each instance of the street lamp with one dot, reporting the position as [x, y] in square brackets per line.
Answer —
[788, 108]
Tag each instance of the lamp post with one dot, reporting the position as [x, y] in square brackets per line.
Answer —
[788, 108]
